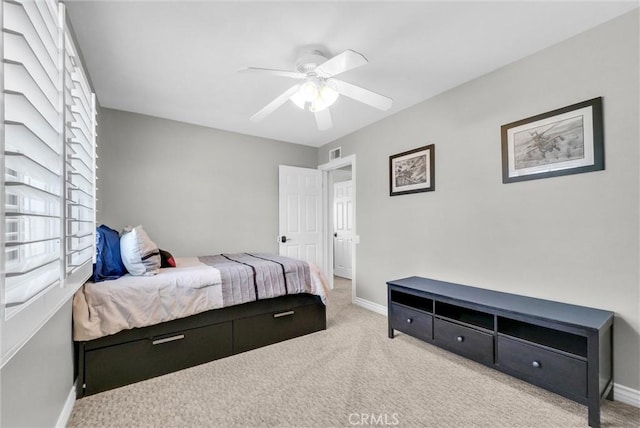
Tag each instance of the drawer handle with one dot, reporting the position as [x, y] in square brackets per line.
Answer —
[409, 320]
[168, 339]
[536, 364]
[460, 338]
[283, 314]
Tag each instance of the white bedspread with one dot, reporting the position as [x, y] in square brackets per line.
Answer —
[104, 308]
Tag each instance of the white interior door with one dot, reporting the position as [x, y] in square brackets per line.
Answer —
[300, 229]
[343, 228]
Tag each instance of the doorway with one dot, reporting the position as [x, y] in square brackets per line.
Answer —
[342, 222]
[339, 171]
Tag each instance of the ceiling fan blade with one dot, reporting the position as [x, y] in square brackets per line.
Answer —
[275, 104]
[363, 95]
[323, 119]
[340, 63]
[292, 74]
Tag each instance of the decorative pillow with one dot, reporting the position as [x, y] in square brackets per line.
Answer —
[139, 253]
[108, 260]
[166, 259]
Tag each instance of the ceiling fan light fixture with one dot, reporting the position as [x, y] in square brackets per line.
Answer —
[318, 89]
[309, 91]
[317, 95]
[325, 99]
[329, 92]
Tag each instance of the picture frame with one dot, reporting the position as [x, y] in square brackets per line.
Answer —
[412, 171]
[565, 141]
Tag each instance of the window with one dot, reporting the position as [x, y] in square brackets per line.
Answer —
[48, 169]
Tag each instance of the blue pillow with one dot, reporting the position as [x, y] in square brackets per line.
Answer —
[108, 259]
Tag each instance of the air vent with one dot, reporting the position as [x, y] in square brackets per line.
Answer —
[335, 153]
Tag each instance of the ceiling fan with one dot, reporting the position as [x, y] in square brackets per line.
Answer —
[319, 88]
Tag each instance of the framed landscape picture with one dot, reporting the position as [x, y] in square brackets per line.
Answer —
[565, 141]
[412, 171]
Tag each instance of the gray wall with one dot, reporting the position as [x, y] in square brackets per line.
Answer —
[572, 239]
[37, 381]
[196, 190]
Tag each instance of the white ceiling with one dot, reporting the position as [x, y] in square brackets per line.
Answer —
[179, 59]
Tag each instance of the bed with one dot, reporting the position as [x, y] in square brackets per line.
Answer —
[138, 327]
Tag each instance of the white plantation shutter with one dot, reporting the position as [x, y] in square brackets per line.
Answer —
[47, 170]
[33, 149]
[80, 122]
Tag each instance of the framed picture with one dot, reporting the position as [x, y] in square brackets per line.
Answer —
[565, 141]
[412, 171]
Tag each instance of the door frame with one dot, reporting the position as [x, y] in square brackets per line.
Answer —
[327, 221]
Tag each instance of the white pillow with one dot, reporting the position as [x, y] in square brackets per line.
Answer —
[139, 253]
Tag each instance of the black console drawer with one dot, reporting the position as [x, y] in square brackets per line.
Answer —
[555, 371]
[464, 340]
[118, 365]
[413, 322]
[261, 330]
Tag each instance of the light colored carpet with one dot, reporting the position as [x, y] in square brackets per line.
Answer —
[349, 375]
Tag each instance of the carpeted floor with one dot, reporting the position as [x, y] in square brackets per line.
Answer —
[349, 375]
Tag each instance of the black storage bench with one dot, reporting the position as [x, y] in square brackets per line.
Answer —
[566, 349]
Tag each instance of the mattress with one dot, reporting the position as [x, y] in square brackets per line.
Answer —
[195, 285]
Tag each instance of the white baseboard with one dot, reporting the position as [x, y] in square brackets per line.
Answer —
[63, 419]
[382, 310]
[626, 395]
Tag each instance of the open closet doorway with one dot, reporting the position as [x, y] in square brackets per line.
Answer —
[339, 214]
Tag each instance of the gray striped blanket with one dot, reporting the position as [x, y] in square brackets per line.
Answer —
[252, 276]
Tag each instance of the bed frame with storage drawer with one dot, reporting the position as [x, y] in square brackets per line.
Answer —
[142, 353]
[566, 349]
